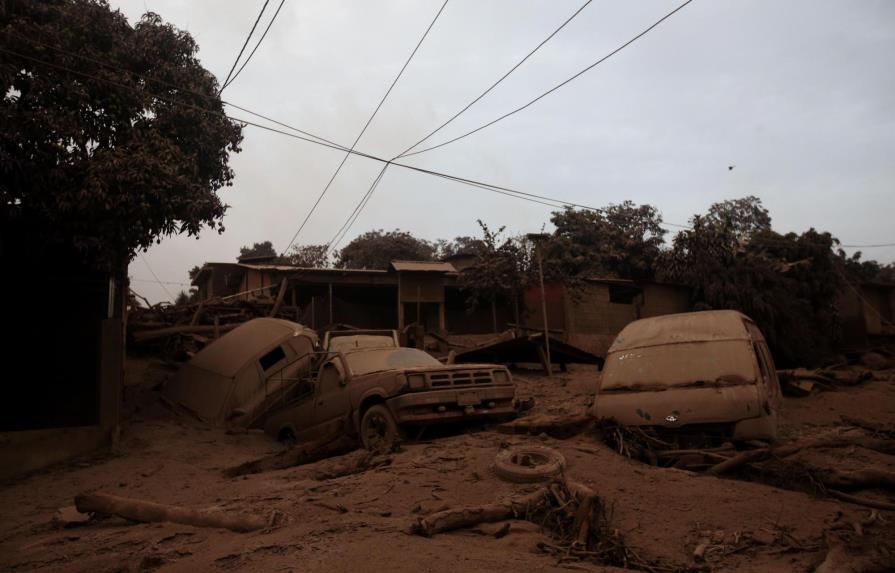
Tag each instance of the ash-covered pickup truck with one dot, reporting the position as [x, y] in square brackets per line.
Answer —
[372, 391]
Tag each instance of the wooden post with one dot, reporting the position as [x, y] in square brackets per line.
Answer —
[400, 307]
[419, 319]
[493, 316]
[313, 313]
[442, 324]
[217, 327]
[544, 311]
[331, 303]
[280, 295]
[197, 314]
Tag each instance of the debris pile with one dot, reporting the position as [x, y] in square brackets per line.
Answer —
[878, 365]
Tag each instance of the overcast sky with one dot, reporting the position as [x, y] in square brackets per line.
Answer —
[798, 95]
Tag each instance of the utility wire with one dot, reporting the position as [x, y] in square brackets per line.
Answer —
[495, 84]
[244, 44]
[540, 199]
[155, 276]
[554, 88]
[362, 131]
[346, 226]
[255, 49]
[151, 79]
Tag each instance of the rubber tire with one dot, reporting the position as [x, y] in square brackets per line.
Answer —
[506, 469]
[379, 413]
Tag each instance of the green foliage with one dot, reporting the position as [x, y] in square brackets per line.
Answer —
[620, 241]
[500, 268]
[742, 217]
[786, 283]
[264, 249]
[376, 249]
[99, 157]
[459, 246]
[308, 256]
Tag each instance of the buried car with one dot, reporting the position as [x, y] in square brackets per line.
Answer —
[704, 373]
[371, 393]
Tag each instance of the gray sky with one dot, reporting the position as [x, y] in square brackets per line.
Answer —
[799, 95]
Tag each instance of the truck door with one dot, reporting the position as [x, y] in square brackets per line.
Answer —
[333, 406]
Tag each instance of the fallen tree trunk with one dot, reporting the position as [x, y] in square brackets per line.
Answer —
[150, 512]
[353, 463]
[866, 502]
[147, 335]
[299, 455]
[855, 479]
[451, 519]
[788, 449]
[554, 426]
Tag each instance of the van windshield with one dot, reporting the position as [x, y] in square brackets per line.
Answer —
[712, 363]
[366, 361]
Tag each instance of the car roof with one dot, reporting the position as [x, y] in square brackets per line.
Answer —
[246, 343]
[703, 326]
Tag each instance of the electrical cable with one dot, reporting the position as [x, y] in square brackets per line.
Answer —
[361, 134]
[554, 88]
[244, 44]
[155, 276]
[255, 49]
[495, 84]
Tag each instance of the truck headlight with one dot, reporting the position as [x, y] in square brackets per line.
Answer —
[502, 377]
[416, 381]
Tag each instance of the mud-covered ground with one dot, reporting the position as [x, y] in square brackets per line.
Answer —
[360, 522]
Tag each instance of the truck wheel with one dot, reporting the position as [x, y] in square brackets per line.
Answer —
[526, 464]
[378, 429]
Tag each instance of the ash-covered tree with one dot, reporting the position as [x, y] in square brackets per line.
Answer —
[621, 241]
[463, 245]
[376, 249]
[308, 256]
[740, 217]
[263, 249]
[111, 135]
[499, 273]
[787, 283]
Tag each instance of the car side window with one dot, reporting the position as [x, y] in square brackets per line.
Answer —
[272, 358]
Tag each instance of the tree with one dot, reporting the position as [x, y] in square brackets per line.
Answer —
[308, 256]
[264, 249]
[786, 283]
[621, 241]
[463, 245]
[376, 249]
[742, 217]
[111, 136]
[499, 271]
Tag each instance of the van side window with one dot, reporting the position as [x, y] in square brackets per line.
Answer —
[270, 359]
[762, 364]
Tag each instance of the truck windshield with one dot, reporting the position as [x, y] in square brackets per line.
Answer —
[366, 361]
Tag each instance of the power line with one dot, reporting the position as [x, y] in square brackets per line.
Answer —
[366, 125]
[495, 84]
[255, 49]
[557, 86]
[346, 226]
[540, 199]
[244, 44]
[155, 276]
[159, 282]
[156, 80]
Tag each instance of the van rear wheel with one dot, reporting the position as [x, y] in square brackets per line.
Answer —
[378, 429]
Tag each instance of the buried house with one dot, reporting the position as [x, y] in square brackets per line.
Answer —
[238, 378]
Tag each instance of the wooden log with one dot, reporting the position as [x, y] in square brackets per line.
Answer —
[150, 512]
[311, 452]
[866, 502]
[353, 463]
[451, 519]
[280, 294]
[147, 335]
[856, 479]
[555, 426]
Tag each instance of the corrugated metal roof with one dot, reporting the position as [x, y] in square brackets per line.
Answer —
[423, 266]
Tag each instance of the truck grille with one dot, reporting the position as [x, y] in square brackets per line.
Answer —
[459, 378]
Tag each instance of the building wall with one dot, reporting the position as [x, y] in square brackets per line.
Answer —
[595, 320]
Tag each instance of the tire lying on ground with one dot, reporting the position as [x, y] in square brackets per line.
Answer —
[527, 464]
